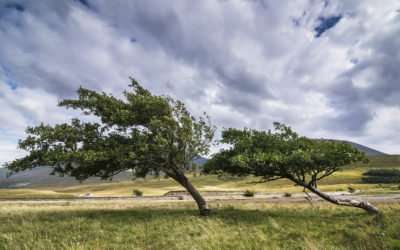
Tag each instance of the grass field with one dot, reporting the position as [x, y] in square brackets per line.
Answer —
[135, 224]
[176, 225]
[340, 181]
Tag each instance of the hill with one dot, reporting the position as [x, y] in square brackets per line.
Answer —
[41, 176]
[367, 150]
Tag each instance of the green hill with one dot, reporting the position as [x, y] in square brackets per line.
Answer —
[367, 150]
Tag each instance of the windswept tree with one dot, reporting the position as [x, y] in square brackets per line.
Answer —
[282, 153]
[141, 132]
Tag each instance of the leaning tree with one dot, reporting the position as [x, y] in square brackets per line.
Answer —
[141, 132]
[282, 153]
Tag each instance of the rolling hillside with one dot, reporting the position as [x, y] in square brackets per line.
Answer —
[40, 176]
[367, 150]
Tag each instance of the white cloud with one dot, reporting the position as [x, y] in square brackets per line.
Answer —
[247, 63]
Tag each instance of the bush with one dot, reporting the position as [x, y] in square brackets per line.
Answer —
[381, 176]
[382, 172]
[248, 193]
[137, 192]
[287, 195]
[351, 189]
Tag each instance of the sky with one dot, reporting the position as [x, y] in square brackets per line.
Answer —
[328, 69]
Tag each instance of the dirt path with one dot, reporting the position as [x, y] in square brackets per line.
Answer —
[274, 198]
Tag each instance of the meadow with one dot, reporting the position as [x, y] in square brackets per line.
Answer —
[176, 225]
[233, 224]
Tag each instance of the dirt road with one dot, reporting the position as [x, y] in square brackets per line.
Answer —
[261, 197]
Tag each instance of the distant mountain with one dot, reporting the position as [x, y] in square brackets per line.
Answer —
[40, 176]
[200, 161]
[367, 150]
[3, 173]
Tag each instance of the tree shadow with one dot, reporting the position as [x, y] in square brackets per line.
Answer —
[228, 215]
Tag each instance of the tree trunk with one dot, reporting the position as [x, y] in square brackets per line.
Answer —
[341, 202]
[201, 202]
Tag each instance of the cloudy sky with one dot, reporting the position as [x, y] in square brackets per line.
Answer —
[327, 68]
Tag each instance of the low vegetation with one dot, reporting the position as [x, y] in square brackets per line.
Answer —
[382, 176]
[249, 193]
[137, 192]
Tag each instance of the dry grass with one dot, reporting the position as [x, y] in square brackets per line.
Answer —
[338, 182]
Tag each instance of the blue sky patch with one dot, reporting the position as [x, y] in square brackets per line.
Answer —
[84, 3]
[15, 6]
[8, 79]
[326, 23]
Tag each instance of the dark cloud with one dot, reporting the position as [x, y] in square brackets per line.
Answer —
[185, 37]
[84, 3]
[15, 6]
[353, 112]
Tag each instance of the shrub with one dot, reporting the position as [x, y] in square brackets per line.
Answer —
[248, 193]
[351, 189]
[137, 192]
[382, 172]
[381, 176]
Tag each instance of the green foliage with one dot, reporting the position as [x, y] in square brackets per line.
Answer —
[137, 192]
[140, 132]
[284, 154]
[281, 154]
[381, 176]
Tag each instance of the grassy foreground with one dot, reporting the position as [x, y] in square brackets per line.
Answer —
[176, 225]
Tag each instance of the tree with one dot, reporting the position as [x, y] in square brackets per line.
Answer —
[141, 132]
[284, 154]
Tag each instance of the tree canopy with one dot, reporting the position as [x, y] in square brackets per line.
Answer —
[282, 153]
[141, 132]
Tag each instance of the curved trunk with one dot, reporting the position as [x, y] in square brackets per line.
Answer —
[341, 202]
[201, 202]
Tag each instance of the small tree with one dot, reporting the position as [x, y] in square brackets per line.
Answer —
[284, 154]
[141, 132]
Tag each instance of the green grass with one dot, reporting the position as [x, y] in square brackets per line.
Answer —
[382, 161]
[136, 225]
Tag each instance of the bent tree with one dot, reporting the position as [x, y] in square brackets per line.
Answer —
[284, 154]
[141, 132]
